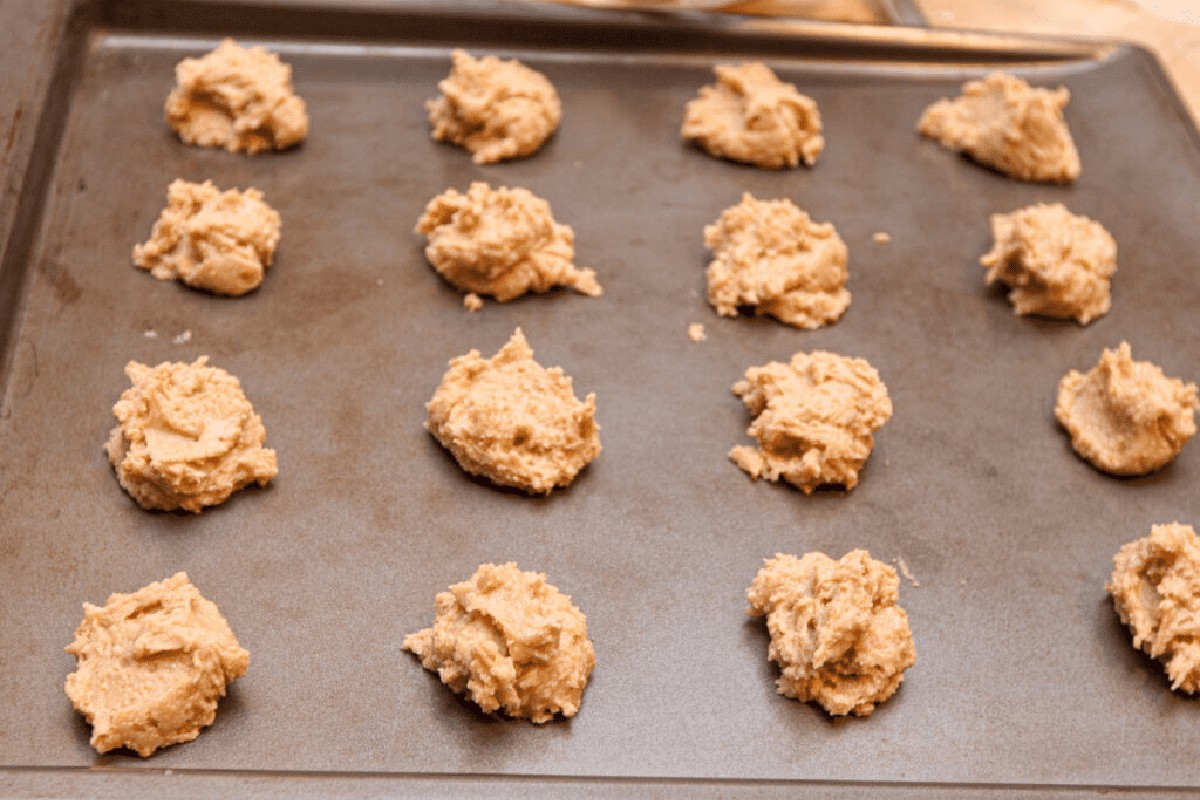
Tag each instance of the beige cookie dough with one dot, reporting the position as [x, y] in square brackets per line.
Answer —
[1124, 416]
[1004, 123]
[771, 255]
[751, 116]
[151, 666]
[495, 109]
[511, 642]
[814, 419]
[209, 239]
[237, 98]
[186, 437]
[837, 633]
[1055, 263]
[512, 421]
[502, 243]
[1155, 589]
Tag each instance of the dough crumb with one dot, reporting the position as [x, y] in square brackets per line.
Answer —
[696, 332]
[219, 241]
[495, 109]
[1004, 123]
[512, 421]
[183, 338]
[501, 243]
[814, 419]
[151, 666]
[186, 437]
[881, 237]
[837, 633]
[150, 333]
[472, 302]
[1124, 416]
[908, 576]
[510, 641]
[751, 116]
[771, 255]
[1155, 589]
[238, 98]
[1056, 263]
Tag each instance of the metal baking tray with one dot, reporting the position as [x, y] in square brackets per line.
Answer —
[1025, 679]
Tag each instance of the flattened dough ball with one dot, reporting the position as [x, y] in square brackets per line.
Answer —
[495, 109]
[1004, 123]
[151, 666]
[512, 421]
[237, 98]
[1124, 416]
[1155, 589]
[814, 419]
[511, 642]
[771, 255]
[186, 437]
[837, 633]
[501, 242]
[751, 116]
[209, 239]
[1056, 263]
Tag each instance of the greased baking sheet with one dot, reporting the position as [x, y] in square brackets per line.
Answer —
[1024, 675]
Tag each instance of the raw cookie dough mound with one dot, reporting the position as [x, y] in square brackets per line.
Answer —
[769, 254]
[151, 666]
[836, 632]
[209, 239]
[1125, 416]
[496, 109]
[501, 242]
[186, 437]
[814, 419]
[511, 642]
[513, 421]
[1003, 122]
[1056, 263]
[751, 116]
[1156, 591]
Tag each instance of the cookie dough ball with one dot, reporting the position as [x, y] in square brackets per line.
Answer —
[836, 632]
[511, 642]
[1124, 416]
[751, 116]
[496, 109]
[237, 98]
[151, 666]
[814, 419]
[501, 242]
[1004, 123]
[512, 421]
[186, 437]
[771, 255]
[1155, 589]
[1057, 264]
[209, 239]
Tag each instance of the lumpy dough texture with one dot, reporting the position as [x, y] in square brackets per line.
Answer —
[1155, 589]
[1124, 416]
[495, 109]
[1055, 263]
[209, 239]
[770, 255]
[151, 666]
[238, 98]
[510, 641]
[814, 419]
[511, 420]
[1004, 123]
[186, 437]
[501, 242]
[751, 116]
[836, 632]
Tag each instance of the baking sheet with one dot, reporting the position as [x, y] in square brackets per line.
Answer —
[1024, 675]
